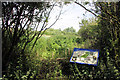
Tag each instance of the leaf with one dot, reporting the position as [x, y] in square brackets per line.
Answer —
[85, 72]
[87, 2]
[17, 75]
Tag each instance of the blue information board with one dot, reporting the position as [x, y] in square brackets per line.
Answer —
[85, 56]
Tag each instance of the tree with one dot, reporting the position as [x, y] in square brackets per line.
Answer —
[110, 30]
[20, 23]
[89, 29]
[71, 29]
[108, 38]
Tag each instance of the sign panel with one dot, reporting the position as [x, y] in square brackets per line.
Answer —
[85, 56]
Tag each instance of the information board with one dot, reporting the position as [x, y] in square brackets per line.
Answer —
[85, 56]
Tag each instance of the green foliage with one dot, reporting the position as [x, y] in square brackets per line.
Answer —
[52, 31]
[54, 44]
[16, 36]
[97, 34]
[88, 32]
[72, 30]
[49, 59]
[89, 29]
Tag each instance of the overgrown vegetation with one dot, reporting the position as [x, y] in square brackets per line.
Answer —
[49, 58]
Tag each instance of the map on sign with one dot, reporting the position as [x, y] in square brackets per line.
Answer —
[85, 56]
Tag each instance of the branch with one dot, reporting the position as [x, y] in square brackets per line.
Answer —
[53, 23]
[43, 26]
[108, 13]
[90, 11]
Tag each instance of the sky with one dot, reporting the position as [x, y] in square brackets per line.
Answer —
[71, 15]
